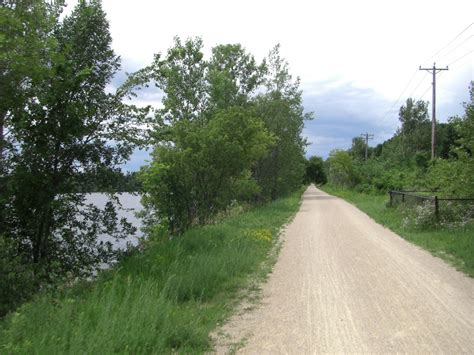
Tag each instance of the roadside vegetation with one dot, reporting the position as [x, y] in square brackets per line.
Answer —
[403, 162]
[226, 137]
[166, 298]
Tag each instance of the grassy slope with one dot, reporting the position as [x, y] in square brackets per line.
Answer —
[168, 298]
[455, 245]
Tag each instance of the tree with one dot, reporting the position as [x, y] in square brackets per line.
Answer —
[281, 108]
[181, 77]
[69, 126]
[26, 28]
[207, 136]
[315, 171]
[465, 125]
[456, 175]
[196, 176]
[233, 76]
[358, 148]
[416, 127]
[341, 169]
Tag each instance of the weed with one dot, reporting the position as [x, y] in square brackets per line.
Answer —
[166, 298]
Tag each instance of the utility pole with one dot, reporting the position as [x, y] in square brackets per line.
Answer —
[367, 136]
[434, 71]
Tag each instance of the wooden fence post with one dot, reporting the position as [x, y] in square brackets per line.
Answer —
[391, 198]
[436, 207]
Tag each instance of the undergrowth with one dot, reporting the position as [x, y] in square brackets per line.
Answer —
[166, 298]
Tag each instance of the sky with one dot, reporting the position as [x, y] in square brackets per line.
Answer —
[358, 60]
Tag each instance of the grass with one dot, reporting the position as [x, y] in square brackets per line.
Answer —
[165, 299]
[455, 245]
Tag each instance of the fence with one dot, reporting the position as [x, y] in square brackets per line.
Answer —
[414, 198]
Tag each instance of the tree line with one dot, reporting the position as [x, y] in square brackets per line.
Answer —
[229, 131]
[404, 161]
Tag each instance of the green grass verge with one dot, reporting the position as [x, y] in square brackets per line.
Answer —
[165, 299]
[455, 245]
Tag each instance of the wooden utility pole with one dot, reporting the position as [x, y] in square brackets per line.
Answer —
[434, 71]
[367, 136]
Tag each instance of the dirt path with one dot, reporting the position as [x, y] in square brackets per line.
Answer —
[344, 284]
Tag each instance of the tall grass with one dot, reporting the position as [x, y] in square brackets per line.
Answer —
[167, 298]
[453, 244]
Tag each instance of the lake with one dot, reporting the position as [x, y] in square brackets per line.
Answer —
[130, 205]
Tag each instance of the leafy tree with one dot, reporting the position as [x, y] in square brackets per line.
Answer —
[25, 33]
[211, 144]
[447, 138]
[358, 148]
[63, 130]
[181, 77]
[281, 108]
[416, 128]
[207, 136]
[455, 176]
[233, 76]
[315, 170]
[465, 125]
[341, 169]
[196, 176]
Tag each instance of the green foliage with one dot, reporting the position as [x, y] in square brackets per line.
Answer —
[233, 76]
[404, 161]
[357, 150]
[281, 108]
[341, 169]
[61, 123]
[195, 177]
[17, 281]
[216, 139]
[416, 127]
[165, 299]
[315, 171]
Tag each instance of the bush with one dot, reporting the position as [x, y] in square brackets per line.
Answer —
[205, 169]
[17, 280]
[455, 213]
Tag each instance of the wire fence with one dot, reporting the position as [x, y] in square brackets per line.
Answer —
[441, 206]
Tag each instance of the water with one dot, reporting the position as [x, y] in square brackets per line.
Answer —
[130, 205]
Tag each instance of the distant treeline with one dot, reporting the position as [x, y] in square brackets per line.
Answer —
[404, 161]
[108, 181]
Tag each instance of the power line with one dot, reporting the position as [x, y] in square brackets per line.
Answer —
[424, 93]
[447, 45]
[399, 97]
[419, 83]
[423, 78]
[457, 60]
[459, 45]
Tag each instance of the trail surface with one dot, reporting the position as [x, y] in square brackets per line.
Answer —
[345, 284]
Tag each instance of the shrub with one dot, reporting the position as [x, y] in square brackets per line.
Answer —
[421, 216]
[17, 281]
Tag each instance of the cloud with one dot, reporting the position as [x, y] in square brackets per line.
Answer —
[344, 111]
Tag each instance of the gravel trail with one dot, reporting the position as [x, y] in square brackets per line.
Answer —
[345, 284]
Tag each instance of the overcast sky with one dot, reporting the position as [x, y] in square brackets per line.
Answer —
[355, 58]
